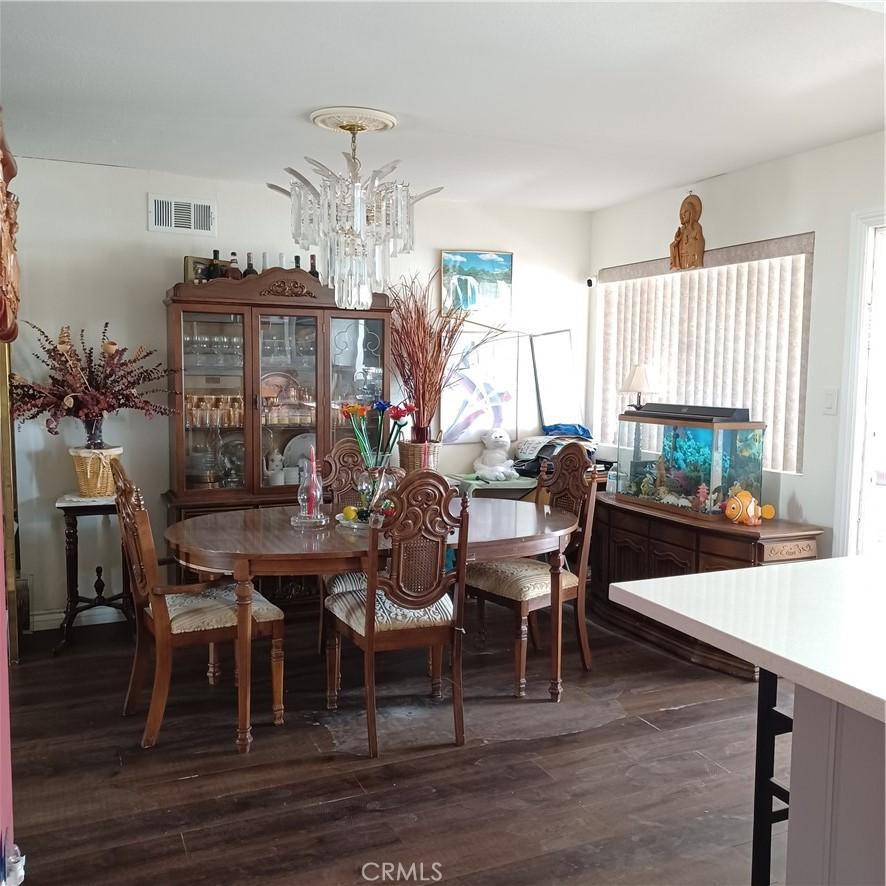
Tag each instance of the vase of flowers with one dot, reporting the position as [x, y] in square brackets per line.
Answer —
[424, 339]
[88, 384]
[376, 443]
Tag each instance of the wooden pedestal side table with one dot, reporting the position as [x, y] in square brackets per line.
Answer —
[73, 507]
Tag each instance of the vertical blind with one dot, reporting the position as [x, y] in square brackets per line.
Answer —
[733, 335]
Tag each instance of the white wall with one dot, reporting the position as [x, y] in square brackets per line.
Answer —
[87, 257]
[814, 191]
[549, 292]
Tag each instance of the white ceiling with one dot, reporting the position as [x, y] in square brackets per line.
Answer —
[572, 106]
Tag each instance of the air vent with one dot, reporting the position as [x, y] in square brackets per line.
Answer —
[177, 215]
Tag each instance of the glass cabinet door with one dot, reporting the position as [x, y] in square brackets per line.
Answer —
[213, 400]
[357, 351]
[287, 353]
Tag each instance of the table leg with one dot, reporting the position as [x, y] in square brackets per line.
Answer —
[244, 590]
[555, 558]
[71, 564]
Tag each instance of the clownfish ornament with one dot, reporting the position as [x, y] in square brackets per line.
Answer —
[745, 509]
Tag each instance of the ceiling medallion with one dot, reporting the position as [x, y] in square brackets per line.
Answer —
[357, 224]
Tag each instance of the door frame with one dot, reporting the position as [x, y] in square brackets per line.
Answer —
[850, 435]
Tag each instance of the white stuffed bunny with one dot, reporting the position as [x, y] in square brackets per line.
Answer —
[494, 463]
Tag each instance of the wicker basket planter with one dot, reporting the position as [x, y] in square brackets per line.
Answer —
[417, 456]
[93, 469]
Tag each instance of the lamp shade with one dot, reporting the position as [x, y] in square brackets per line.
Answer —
[640, 380]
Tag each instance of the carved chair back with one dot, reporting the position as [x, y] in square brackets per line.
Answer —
[138, 541]
[570, 487]
[419, 532]
[340, 471]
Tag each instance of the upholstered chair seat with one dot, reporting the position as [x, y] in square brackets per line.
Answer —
[346, 581]
[350, 608]
[518, 579]
[214, 608]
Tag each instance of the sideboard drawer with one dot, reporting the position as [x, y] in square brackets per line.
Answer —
[683, 536]
[792, 549]
[733, 548]
[630, 522]
[716, 563]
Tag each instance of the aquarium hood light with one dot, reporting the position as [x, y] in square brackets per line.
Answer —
[710, 414]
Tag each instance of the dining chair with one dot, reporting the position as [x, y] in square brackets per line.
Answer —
[173, 616]
[407, 605]
[524, 585]
[339, 472]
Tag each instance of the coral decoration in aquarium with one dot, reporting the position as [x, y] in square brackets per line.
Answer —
[688, 458]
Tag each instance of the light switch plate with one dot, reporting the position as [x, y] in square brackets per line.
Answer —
[831, 399]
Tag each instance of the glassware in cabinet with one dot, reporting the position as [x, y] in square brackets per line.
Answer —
[213, 403]
[287, 398]
[357, 350]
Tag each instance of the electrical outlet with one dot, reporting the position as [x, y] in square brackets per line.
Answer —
[831, 398]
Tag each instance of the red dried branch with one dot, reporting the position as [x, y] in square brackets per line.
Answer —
[423, 344]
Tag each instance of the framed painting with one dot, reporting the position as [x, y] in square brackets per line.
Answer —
[195, 268]
[482, 393]
[479, 282]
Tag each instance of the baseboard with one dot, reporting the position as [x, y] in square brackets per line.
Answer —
[51, 619]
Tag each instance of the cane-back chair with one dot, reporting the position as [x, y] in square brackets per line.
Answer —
[180, 615]
[408, 605]
[340, 471]
[524, 585]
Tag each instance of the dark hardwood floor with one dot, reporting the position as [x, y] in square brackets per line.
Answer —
[642, 775]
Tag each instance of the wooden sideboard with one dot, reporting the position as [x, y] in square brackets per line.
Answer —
[632, 542]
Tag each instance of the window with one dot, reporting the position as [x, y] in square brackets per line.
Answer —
[733, 333]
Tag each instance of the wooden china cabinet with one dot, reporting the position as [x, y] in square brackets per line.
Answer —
[263, 364]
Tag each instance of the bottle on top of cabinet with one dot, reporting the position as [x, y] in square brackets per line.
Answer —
[214, 269]
[250, 268]
[233, 272]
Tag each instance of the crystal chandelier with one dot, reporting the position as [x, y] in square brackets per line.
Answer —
[358, 225]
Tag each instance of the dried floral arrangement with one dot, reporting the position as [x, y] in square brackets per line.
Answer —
[88, 384]
[423, 341]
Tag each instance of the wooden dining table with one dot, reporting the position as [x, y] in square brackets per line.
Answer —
[261, 541]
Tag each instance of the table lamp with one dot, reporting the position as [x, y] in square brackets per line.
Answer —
[640, 380]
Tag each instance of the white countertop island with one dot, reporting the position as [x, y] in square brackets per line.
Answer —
[822, 625]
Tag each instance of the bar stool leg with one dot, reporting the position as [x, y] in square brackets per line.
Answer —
[764, 769]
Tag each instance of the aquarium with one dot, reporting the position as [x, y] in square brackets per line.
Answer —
[688, 458]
